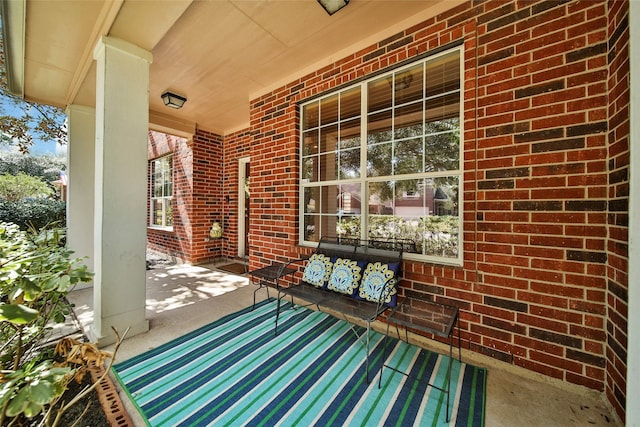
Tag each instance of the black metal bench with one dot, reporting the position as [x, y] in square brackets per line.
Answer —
[380, 262]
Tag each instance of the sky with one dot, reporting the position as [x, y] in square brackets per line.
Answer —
[40, 146]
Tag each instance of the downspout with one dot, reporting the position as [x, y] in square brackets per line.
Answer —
[475, 171]
[13, 35]
[633, 321]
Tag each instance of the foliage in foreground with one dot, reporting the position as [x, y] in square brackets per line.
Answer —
[36, 274]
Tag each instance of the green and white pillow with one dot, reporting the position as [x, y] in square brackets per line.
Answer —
[345, 277]
[318, 270]
[374, 279]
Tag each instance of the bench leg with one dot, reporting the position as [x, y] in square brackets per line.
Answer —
[254, 296]
[449, 373]
[457, 320]
[384, 354]
[275, 331]
[368, 345]
[260, 285]
[459, 347]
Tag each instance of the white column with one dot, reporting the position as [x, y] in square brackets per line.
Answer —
[80, 190]
[633, 325]
[122, 123]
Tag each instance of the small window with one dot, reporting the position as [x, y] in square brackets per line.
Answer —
[161, 188]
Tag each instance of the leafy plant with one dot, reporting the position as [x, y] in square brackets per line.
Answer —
[36, 273]
[47, 167]
[433, 234]
[33, 213]
[29, 389]
[21, 186]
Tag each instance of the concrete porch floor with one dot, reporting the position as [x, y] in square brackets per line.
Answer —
[181, 298]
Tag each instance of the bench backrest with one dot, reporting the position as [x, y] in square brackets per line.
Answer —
[367, 250]
[375, 280]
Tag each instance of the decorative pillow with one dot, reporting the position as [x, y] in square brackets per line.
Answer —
[373, 283]
[345, 277]
[318, 270]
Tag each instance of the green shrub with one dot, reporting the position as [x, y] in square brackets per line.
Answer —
[22, 186]
[36, 273]
[36, 213]
[434, 235]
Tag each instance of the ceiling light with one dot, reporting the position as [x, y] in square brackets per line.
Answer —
[172, 100]
[332, 6]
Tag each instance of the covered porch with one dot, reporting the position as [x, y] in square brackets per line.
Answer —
[201, 294]
[507, 124]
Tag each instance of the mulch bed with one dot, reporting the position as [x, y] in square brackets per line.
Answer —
[93, 416]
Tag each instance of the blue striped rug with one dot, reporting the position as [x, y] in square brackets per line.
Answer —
[234, 372]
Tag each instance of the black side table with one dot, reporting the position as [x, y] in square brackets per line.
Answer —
[429, 317]
[271, 274]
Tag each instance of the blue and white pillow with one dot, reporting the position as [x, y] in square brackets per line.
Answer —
[374, 279]
[345, 277]
[318, 270]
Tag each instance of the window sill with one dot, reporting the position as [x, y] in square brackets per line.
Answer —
[156, 228]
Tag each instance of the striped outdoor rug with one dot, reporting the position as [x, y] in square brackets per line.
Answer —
[234, 371]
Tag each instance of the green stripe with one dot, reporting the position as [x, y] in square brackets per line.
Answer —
[274, 363]
[484, 394]
[267, 391]
[350, 394]
[292, 378]
[414, 386]
[386, 386]
[234, 357]
[294, 392]
[337, 377]
[442, 394]
[131, 398]
[472, 400]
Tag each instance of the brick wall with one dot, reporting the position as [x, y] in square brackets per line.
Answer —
[236, 146]
[176, 242]
[208, 204]
[540, 271]
[617, 245]
[197, 200]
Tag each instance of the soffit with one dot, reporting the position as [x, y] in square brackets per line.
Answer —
[219, 54]
[52, 56]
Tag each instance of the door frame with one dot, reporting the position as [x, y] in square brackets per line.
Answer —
[242, 231]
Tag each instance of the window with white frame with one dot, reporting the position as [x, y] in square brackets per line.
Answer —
[383, 159]
[161, 187]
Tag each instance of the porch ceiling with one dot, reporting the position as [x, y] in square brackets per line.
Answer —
[219, 54]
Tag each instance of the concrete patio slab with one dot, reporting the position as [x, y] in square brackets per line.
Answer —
[181, 298]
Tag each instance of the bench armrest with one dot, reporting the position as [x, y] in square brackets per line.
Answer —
[289, 264]
[387, 292]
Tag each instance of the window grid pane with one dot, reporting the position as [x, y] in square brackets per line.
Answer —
[424, 210]
[411, 159]
[331, 137]
[161, 177]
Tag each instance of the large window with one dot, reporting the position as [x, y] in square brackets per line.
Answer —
[382, 159]
[161, 185]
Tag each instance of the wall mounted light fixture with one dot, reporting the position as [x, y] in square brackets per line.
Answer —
[172, 100]
[332, 6]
